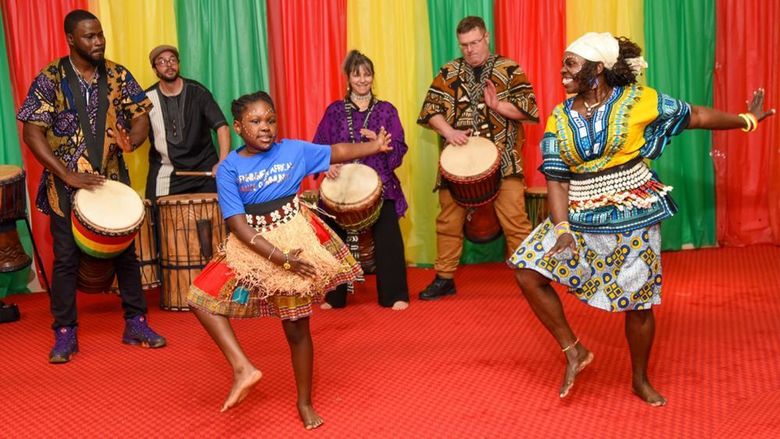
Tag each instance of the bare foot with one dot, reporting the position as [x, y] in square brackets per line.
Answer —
[400, 305]
[242, 384]
[576, 360]
[647, 393]
[310, 418]
[325, 305]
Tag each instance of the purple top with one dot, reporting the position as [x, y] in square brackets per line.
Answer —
[333, 128]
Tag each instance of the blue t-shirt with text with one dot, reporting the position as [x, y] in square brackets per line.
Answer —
[269, 175]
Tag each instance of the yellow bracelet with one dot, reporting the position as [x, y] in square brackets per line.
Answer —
[272, 253]
[562, 228]
[286, 264]
[751, 123]
[753, 118]
[252, 241]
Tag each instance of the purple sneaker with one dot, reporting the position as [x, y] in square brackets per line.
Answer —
[138, 333]
[65, 345]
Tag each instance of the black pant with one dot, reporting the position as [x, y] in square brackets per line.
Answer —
[65, 276]
[390, 260]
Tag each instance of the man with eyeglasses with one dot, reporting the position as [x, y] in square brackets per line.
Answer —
[487, 95]
[182, 119]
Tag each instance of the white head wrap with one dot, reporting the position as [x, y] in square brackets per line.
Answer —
[596, 47]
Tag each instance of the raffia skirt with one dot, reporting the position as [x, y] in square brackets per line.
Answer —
[239, 283]
[613, 272]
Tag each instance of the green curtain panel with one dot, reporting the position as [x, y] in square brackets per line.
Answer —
[443, 18]
[10, 154]
[680, 49]
[224, 48]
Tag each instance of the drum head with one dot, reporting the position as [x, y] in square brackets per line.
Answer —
[9, 172]
[469, 160]
[356, 182]
[112, 207]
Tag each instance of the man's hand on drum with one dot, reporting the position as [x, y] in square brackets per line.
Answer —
[457, 137]
[300, 266]
[83, 180]
[382, 141]
[333, 171]
[565, 242]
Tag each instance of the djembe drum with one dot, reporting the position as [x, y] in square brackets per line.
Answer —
[191, 230]
[105, 221]
[13, 207]
[355, 199]
[536, 205]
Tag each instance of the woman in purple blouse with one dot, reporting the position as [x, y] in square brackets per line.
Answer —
[358, 117]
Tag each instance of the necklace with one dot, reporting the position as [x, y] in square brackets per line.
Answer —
[360, 98]
[81, 79]
[590, 107]
[348, 109]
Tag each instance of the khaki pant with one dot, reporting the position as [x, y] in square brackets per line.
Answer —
[510, 209]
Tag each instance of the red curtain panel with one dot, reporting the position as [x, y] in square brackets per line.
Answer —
[747, 165]
[34, 36]
[534, 35]
[306, 77]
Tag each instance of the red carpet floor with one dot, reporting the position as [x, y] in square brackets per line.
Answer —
[474, 365]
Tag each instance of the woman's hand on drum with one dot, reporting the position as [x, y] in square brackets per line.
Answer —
[83, 180]
[382, 141]
[457, 137]
[300, 266]
[565, 242]
[333, 171]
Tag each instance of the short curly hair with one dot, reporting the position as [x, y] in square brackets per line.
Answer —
[238, 106]
[620, 74]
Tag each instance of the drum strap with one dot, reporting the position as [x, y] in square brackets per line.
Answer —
[348, 106]
[94, 141]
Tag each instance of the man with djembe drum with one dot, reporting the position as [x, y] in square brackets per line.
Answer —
[478, 95]
[81, 113]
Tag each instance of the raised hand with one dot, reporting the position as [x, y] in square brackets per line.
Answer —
[368, 134]
[756, 105]
[491, 96]
[382, 141]
[123, 139]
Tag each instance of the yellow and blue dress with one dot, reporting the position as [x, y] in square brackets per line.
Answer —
[615, 201]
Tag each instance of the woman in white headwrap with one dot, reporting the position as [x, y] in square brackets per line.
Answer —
[603, 238]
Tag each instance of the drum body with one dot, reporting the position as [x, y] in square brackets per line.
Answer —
[191, 230]
[471, 172]
[536, 205]
[106, 219]
[97, 275]
[482, 224]
[354, 197]
[13, 207]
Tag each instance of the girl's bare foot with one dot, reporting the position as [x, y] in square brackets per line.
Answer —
[325, 305]
[577, 358]
[310, 418]
[647, 393]
[242, 384]
[400, 305]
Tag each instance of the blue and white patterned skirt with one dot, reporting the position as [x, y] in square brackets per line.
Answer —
[613, 272]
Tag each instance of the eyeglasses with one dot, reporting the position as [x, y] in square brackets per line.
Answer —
[169, 61]
[472, 44]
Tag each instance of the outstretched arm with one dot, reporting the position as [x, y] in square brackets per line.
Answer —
[712, 119]
[344, 152]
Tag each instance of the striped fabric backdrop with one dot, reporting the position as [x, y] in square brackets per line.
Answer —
[727, 184]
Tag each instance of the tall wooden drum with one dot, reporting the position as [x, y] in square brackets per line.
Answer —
[13, 207]
[191, 231]
[536, 205]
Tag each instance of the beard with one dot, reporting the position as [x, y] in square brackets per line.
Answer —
[165, 78]
[93, 59]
